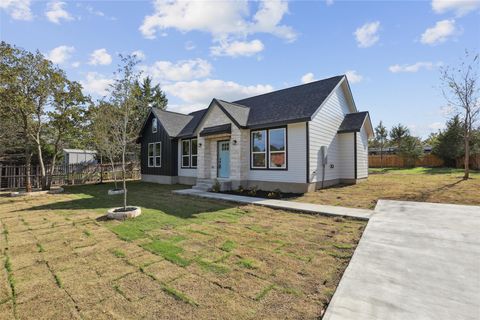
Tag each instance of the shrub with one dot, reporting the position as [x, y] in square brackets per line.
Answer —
[275, 194]
[216, 186]
[253, 191]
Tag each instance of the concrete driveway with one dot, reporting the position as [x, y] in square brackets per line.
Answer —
[414, 261]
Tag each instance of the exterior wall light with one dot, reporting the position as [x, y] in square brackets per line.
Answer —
[234, 142]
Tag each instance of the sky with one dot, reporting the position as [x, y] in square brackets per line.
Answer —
[391, 51]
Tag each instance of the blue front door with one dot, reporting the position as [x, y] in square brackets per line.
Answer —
[224, 159]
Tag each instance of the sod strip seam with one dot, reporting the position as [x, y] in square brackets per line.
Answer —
[9, 271]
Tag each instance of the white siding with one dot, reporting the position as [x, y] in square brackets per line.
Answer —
[184, 172]
[296, 157]
[323, 132]
[362, 154]
[346, 156]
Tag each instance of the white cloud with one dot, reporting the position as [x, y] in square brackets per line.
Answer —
[307, 77]
[447, 111]
[201, 92]
[139, 54]
[367, 35]
[237, 48]
[76, 64]
[100, 57]
[353, 76]
[413, 67]
[96, 83]
[439, 33]
[183, 70]
[55, 12]
[329, 2]
[17, 9]
[460, 7]
[189, 45]
[60, 54]
[220, 18]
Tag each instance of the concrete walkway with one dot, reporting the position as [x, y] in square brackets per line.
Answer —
[362, 214]
[414, 261]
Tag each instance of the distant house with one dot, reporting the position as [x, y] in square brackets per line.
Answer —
[296, 139]
[76, 156]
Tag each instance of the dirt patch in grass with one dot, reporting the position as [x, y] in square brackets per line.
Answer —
[182, 258]
[440, 185]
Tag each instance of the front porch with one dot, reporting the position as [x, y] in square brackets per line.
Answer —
[222, 156]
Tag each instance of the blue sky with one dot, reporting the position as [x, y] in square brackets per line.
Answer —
[391, 51]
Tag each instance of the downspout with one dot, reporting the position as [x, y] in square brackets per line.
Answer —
[355, 154]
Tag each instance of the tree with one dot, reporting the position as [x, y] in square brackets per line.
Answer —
[65, 119]
[16, 103]
[461, 91]
[381, 135]
[449, 145]
[410, 149]
[125, 101]
[149, 96]
[104, 118]
[397, 134]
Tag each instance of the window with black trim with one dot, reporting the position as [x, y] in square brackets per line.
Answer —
[185, 153]
[259, 149]
[269, 148]
[154, 125]
[277, 141]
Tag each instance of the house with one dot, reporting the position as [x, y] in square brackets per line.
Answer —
[76, 156]
[297, 140]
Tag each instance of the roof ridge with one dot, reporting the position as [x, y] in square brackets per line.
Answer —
[234, 103]
[180, 114]
[300, 85]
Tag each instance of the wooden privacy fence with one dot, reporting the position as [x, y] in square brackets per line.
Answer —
[13, 176]
[395, 161]
[474, 162]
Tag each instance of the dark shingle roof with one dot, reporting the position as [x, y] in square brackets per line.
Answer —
[223, 128]
[297, 103]
[293, 104]
[353, 122]
[189, 129]
[172, 122]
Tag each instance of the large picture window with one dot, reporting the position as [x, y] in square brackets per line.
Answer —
[269, 149]
[185, 153]
[259, 149]
[277, 148]
[155, 154]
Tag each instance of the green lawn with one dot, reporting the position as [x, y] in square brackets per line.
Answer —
[444, 185]
[182, 258]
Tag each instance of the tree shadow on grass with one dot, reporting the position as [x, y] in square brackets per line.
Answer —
[423, 196]
[150, 196]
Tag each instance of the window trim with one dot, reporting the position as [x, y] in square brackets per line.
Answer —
[155, 156]
[154, 127]
[258, 152]
[284, 151]
[151, 156]
[187, 155]
[267, 149]
[193, 155]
